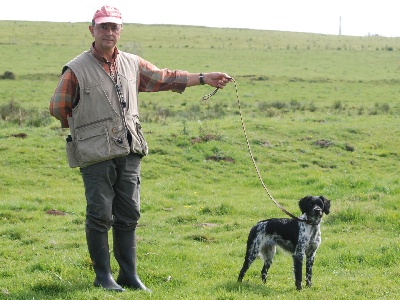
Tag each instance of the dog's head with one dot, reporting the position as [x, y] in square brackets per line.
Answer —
[314, 207]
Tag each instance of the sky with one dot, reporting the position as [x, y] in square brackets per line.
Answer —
[349, 17]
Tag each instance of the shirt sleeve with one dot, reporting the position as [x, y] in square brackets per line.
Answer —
[153, 79]
[65, 95]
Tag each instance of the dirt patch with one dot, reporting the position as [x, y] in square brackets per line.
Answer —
[19, 135]
[217, 158]
[205, 225]
[55, 212]
[205, 138]
[323, 143]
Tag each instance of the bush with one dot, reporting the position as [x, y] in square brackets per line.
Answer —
[13, 113]
[8, 75]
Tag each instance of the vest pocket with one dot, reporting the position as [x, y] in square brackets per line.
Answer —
[142, 141]
[92, 144]
[72, 156]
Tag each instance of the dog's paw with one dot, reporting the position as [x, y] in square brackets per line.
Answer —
[298, 285]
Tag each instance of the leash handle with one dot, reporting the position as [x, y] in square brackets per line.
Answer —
[206, 97]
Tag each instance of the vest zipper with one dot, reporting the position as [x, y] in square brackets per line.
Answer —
[91, 123]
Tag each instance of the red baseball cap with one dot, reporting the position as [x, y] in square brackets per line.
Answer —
[107, 14]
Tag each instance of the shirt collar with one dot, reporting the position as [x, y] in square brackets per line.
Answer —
[99, 55]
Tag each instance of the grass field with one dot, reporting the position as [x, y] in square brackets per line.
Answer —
[322, 116]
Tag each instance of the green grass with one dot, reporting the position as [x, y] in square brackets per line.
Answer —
[322, 116]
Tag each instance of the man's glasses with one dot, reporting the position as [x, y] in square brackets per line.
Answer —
[106, 28]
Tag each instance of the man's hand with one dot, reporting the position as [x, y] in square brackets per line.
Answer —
[217, 79]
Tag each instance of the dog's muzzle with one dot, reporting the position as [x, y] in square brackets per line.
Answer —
[316, 215]
[317, 211]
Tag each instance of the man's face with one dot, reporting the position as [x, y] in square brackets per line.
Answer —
[106, 35]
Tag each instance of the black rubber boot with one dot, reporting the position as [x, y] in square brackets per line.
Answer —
[99, 253]
[125, 254]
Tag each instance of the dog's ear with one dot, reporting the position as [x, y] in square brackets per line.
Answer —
[327, 204]
[303, 203]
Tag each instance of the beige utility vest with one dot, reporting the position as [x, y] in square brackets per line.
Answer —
[98, 124]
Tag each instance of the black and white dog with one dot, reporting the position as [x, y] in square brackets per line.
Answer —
[295, 236]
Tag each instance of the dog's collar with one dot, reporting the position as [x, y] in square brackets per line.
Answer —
[308, 222]
[312, 223]
[303, 218]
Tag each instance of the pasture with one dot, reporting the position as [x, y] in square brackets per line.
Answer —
[322, 114]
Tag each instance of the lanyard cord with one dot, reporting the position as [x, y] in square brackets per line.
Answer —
[208, 96]
[122, 101]
[115, 79]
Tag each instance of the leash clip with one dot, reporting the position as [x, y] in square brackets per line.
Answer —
[206, 97]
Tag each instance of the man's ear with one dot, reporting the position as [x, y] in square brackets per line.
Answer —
[91, 28]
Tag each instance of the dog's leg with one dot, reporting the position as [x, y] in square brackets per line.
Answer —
[310, 256]
[267, 254]
[309, 266]
[252, 250]
[264, 272]
[298, 266]
[251, 255]
[247, 262]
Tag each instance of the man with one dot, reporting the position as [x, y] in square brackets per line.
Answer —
[97, 98]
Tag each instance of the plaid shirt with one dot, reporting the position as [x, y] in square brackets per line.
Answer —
[151, 79]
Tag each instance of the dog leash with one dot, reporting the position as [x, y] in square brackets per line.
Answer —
[208, 96]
